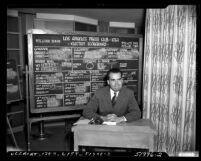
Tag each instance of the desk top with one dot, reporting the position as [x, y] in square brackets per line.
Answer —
[142, 125]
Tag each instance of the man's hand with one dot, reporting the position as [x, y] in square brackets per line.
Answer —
[113, 117]
[118, 119]
[104, 118]
[108, 117]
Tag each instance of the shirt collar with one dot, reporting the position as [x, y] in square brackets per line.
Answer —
[112, 92]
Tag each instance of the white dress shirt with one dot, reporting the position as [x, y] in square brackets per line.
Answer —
[112, 94]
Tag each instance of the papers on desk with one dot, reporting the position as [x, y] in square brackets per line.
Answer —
[86, 121]
[109, 123]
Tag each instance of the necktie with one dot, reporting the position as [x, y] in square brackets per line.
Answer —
[114, 99]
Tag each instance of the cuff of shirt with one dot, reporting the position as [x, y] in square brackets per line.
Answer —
[124, 118]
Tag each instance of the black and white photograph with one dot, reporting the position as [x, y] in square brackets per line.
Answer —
[102, 81]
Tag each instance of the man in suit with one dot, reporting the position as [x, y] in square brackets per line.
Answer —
[114, 102]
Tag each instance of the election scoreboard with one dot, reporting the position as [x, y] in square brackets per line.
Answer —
[65, 70]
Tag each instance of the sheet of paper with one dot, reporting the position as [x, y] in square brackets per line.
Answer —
[109, 123]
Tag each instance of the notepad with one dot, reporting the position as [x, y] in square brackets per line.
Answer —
[109, 123]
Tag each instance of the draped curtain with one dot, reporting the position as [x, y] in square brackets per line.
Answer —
[169, 76]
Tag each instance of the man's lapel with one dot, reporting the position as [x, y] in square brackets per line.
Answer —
[119, 98]
[108, 97]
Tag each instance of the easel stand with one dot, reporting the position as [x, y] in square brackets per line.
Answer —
[42, 135]
[29, 120]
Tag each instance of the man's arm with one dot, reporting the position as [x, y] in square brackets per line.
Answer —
[90, 111]
[134, 112]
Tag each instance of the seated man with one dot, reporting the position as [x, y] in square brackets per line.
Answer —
[114, 102]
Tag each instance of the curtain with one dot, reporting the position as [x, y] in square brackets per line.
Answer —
[169, 76]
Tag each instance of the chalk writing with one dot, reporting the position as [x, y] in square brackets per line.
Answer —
[69, 68]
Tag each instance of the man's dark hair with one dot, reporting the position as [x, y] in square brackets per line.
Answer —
[113, 70]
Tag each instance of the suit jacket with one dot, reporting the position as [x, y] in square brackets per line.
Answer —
[100, 104]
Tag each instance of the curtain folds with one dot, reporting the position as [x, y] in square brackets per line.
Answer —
[169, 76]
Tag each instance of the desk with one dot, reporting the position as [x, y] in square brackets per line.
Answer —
[137, 134]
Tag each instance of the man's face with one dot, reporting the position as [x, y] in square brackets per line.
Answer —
[115, 81]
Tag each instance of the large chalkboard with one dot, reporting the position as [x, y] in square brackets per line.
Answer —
[13, 86]
[66, 69]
